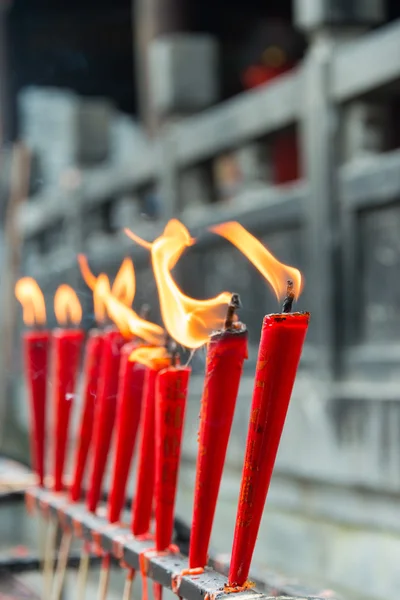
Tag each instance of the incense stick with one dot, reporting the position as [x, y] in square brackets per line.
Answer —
[48, 562]
[42, 539]
[83, 572]
[62, 564]
[128, 585]
[104, 577]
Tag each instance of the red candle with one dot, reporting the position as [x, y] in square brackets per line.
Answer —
[105, 412]
[171, 392]
[66, 350]
[226, 353]
[143, 505]
[281, 343]
[129, 325]
[130, 391]
[91, 375]
[36, 347]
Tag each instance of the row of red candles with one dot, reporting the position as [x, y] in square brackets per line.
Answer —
[122, 397]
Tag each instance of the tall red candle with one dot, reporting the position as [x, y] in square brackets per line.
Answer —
[66, 349]
[143, 505]
[281, 343]
[130, 392]
[36, 349]
[105, 412]
[91, 371]
[171, 393]
[226, 353]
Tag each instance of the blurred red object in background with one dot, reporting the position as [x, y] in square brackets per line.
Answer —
[284, 147]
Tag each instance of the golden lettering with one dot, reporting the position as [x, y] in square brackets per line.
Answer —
[254, 415]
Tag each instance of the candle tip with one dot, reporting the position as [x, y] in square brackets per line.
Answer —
[172, 348]
[233, 305]
[288, 301]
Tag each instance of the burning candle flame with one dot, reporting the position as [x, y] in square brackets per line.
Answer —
[276, 273]
[87, 274]
[188, 321]
[67, 307]
[129, 323]
[29, 294]
[124, 286]
[100, 291]
[151, 357]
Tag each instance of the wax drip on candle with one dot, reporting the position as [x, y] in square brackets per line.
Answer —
[289, 298]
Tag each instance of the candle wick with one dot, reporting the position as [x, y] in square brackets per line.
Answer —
[172, 349]
[38, 326]
[174, 358]
[288, 301]
[233, 305]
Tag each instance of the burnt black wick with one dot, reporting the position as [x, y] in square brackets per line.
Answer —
[172, 349]
[288, 301]
[233, 306]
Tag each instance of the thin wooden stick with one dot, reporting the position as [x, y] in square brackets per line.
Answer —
[128, 584]
[18, 483]
[157, 590]
[83, 572]
[49, 558]
[62, 565]
[104, 578]
[42, 540]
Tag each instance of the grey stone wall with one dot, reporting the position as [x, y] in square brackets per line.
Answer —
[332, 515]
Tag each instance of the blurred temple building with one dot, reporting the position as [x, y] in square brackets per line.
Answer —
[283, 115]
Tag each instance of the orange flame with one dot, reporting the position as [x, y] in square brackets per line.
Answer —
[87, 274]
[30, 295]
[116, 301]
[275, 272]
[129, 323]
[100, 292]
[124, 286]
[187, 320]
[154, 358]
[67, 306]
